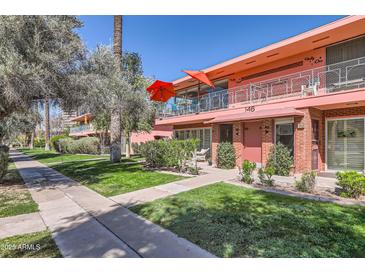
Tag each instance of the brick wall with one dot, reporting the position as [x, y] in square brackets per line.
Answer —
[215, 142]
[238, 141]
[267, 138]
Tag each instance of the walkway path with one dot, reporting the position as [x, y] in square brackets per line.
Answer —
[86, 224]
[150, 194]
[21, 224]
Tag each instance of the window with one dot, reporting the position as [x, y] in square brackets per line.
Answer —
[226, 133]
[345, 144]
[204, 135]
[284, 133]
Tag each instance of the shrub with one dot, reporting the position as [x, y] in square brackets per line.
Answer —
[246, 171]
[136, 147]
[4, 160]
[265, 175]
[307, 182]
[169, 153]
[87, 145]
[280, 159]
[54, 141]
[64, 145]
[352, 183]
[226, 156]
[39, 142]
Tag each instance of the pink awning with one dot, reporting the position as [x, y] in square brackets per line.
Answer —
[260, 114]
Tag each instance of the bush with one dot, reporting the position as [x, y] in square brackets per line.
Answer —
[39, 142]
[265, 175]
[169, 153]
[280, 159]
[246, 171]
[4, 160]
[54, 141]
[307, 182]
[352, 183]
[87, 145]
[136, 147]
[226, 156]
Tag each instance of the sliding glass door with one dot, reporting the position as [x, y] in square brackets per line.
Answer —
[345, 144]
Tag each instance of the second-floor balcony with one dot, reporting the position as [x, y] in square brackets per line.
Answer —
[81, 129]
[336, 77]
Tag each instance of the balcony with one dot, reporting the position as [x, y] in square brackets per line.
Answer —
[321, 80]
[81, 129]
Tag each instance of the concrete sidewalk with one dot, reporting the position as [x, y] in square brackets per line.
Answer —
[157, 192]
[86, 224]
[21, 224]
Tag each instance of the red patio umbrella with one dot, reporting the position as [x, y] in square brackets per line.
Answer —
[161, 91]
[201, 77]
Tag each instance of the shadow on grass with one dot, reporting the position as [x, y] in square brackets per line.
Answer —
[230, 221]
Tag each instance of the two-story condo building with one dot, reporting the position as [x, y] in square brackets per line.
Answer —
[307, 92]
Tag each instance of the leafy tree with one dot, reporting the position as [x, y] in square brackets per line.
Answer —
[40, 59]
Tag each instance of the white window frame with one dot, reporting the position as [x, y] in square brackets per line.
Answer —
[197, 129]
[326, 136]
[282, 121]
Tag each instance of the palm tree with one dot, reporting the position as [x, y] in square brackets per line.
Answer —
[46, 124]
[115, 128]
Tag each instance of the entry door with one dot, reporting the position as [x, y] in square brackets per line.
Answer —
[315, 143]
[252, 142]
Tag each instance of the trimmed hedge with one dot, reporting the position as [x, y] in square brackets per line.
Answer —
[226, 156]
[54, 142]
[4, 160]
[169, 153]
[351, 182]
[280, 159]
[86, 145]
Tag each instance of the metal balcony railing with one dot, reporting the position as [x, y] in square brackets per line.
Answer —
[81, 128]
[325, 79]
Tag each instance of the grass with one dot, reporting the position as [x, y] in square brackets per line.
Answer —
[33, 245]
[110, 179]
[230, 221]
[15, 198]
[52, 157]
[106, 178]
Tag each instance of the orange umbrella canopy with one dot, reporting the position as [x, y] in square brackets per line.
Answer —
[161, 91]
[200, 76]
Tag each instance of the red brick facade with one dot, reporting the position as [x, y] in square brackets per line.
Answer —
[302, 137]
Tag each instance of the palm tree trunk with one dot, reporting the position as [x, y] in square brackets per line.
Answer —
[46, 124]
[115, 128]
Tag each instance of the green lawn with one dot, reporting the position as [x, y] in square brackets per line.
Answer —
[111, 179]
[231, 221]
[15, 198]
[100, 175]
[50, 157]
[33, 245]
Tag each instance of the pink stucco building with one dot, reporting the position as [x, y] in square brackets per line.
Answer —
[307, 92]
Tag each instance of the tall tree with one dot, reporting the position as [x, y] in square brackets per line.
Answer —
[115, 130]
[39, 58]
[46, 124]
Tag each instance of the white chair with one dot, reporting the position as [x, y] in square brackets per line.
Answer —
[202, 154]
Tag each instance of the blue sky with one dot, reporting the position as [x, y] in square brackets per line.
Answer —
[169, 44]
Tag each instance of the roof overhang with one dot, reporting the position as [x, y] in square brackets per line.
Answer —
[257, 115]
[340, 30]
[82, 117]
